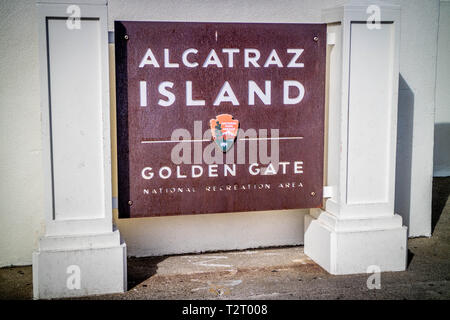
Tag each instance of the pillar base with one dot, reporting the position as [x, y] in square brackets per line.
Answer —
[350, 246]
[97, 261]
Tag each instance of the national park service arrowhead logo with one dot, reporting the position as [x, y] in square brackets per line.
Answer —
[224, 130]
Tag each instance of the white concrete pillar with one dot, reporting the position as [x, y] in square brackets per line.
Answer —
[80, 253]
[358, 227]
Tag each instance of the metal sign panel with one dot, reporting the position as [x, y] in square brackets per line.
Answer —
[219, 117]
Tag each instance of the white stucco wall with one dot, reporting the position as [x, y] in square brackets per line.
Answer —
[416, 114]
[21, 179]
[442, 116]
[21, 209]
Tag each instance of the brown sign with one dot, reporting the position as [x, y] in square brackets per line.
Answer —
[219, 117]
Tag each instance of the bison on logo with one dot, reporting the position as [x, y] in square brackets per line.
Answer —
[224, 130]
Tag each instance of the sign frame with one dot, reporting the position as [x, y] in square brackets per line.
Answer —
[314, 35]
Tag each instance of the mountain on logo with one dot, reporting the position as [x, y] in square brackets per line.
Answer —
[224, 130]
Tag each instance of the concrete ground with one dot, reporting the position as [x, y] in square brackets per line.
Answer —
[276, 273]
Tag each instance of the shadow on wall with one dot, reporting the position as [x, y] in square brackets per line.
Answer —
[403, 170]
[441, 153]
[441, 192]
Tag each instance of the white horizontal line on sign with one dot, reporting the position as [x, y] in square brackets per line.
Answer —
[173, 141]
[277, 138]
[209, 140]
